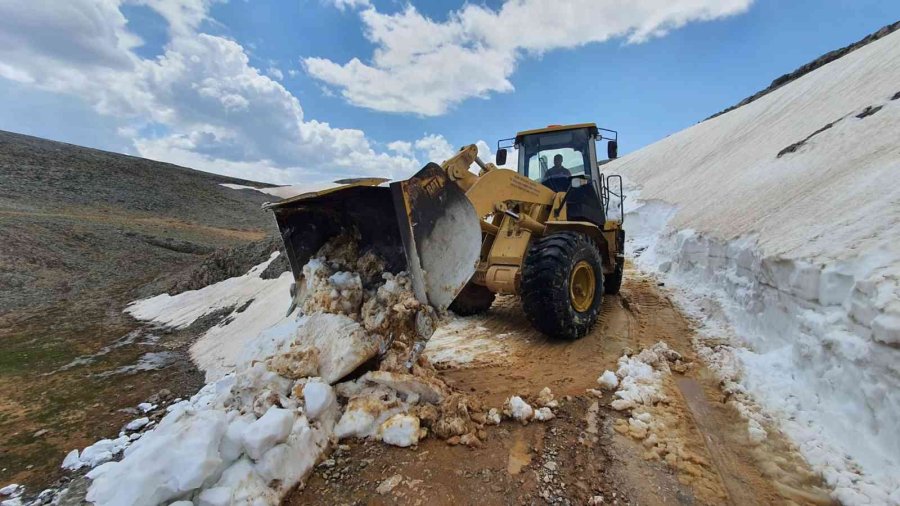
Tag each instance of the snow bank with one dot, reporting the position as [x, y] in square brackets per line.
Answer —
[777, 223]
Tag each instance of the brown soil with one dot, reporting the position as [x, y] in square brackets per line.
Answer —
[578, 455]
[82, 233]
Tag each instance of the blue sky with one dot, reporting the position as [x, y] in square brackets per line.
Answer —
[264, 90]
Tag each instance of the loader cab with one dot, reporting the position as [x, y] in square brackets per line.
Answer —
[564, 159]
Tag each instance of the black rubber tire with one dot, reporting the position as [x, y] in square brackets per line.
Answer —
[613, 282]
[472, 299]
[545, 285]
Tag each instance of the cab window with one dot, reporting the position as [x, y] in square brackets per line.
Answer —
[548, 152]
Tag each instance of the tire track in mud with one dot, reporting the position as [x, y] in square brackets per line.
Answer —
[747, 472]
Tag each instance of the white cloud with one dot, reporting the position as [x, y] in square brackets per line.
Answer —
[400, 147]
[36, 35]
[275, 73]
[348, 4]
[183, 16]
[424, 67]
[435, 148]
[484, 152]
[215, 110]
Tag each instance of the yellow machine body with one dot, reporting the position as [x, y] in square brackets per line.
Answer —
[450, 227]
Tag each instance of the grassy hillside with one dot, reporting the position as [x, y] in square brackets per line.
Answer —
[82, 233]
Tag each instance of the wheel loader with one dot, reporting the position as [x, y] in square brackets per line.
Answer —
[550, 234]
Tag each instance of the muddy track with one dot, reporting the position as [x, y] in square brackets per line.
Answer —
[578, 455]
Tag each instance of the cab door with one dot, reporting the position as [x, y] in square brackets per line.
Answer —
[584, 202]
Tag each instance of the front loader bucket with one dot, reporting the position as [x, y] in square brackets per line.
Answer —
[424, 225]
[441, 234]
[306, 222]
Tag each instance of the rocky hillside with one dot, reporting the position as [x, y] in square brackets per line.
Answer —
[82, 233]
[77, 220]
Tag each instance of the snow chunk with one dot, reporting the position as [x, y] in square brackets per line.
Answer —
[246, 485]
[137, 424]
[96, 454]
[545, 398]
[755, 431]
[146, 407]
[232, 445]
[641, 384]
[319, 399]
[341, 344]
[215, 496]
[519, 409]
[12, 490]
[291, 461]
[366, 412]
[544, 414]
[608, 380]
[412, 387]
[493, 416]
[272, 428]
[400, 430]
[168, 462]
[72, 462]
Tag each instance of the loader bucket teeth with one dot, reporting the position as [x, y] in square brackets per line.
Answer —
[441, 234]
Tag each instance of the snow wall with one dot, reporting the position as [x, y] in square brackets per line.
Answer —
[782, 220]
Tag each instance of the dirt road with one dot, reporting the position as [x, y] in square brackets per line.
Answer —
[579, 455]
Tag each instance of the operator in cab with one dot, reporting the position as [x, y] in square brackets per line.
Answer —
[558, 170]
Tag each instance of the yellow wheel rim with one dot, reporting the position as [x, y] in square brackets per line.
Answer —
[582, 285]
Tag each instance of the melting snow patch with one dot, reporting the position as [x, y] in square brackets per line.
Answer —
[462, 342]
[217, 351]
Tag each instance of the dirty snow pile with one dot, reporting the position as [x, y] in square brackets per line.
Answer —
[776, 224]
[252, 434]
[641, 388]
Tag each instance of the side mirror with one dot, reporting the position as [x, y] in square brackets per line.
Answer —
[612, 150]
[501, 156]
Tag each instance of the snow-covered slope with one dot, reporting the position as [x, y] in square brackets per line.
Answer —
[257, 305]
[785, 213]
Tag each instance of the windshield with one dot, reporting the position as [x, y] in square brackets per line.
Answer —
[554, 154]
